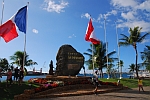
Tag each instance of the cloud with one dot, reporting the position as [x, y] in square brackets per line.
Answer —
[145, 40]
[86, 15]
[145, 25]
[51, 6]
[128, 16]
[144, 6]
[124, 3]
[35, 31]
[133, 13]
[72, 36]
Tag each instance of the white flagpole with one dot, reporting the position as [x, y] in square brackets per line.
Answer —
[118, 52]
[106, 43]
[25, 40]
[2, 14]
[93, 57]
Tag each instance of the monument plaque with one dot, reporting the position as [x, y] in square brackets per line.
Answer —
[69, 61]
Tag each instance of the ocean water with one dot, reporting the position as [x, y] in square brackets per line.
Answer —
[26, 78]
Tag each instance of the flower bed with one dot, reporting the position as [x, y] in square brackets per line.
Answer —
[51, 85]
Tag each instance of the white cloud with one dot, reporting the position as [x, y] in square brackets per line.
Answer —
[113, 12]
[144, 6]
[128, 16]
[35, 31]
[72, 36]
[51, 6]
[86, 15]
[145, 40]
[133, 13]
[124, 3]
[145, 25]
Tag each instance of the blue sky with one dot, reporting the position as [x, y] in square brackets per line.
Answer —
[53, 23]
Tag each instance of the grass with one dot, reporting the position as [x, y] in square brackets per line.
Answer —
[131, 83]
[8, 93]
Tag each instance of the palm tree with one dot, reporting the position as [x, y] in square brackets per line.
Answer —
[134, 38]
[99, 52]
[132, 68]
[90, 52]
[145, 55]
[120, 64]
[101, 57]
[18, 59]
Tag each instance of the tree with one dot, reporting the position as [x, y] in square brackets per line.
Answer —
[145, 56]
[90, 52]
[134, 38]
[120, 64]
[101, 57]
[18, 58]
[99, 53]
[131, 68]
[4, 65]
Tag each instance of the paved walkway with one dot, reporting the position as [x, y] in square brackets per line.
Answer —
[131, 94]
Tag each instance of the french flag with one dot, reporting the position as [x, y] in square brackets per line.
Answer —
[8, 30]
[90, 36]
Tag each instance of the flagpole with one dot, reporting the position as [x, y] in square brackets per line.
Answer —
[106, 44]
[2, 14]
[25, 40]
[93, 57]
[118, 49]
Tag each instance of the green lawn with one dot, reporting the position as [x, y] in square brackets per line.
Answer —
[7, 93]
[131, 83]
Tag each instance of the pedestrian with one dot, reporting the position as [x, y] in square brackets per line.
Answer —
[21, 75]
[95, 79]
[16, 74]
[9, 77]
[0, 75]
[140, 84]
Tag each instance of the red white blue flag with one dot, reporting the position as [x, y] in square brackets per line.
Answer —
[8, 29]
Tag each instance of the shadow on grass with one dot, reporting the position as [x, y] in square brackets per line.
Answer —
[8, 93]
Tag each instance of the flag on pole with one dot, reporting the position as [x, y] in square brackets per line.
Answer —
[8, 29]
[90, 36]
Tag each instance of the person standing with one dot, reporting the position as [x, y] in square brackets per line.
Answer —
[95, 78]
[21, 75]
[16, 74]
[0, 75]
[9, 77]
[140, 84]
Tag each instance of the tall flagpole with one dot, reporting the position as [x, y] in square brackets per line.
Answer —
[106, 44]
[2, 14]
[93, 57]
[92, 53]
[118, 51]
[25, 39]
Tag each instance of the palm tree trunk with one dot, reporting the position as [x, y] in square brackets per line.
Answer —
[136, 66]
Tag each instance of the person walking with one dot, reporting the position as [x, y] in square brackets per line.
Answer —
[21, 75]
[0, 75]
[95, 79]
[16, 74]
[140, 84]
[9, 77]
